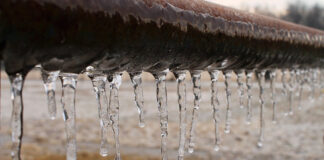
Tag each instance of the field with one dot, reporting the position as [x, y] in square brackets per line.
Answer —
[297, 137]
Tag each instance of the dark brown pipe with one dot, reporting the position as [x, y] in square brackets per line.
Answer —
[149, 35]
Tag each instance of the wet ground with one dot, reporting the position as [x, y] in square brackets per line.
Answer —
[297, 137]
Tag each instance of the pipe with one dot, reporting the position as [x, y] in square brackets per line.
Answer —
[149, 35]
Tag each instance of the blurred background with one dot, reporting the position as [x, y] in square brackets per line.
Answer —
[306, 12]
[297, 137]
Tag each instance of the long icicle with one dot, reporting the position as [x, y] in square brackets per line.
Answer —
[215, 104]
[261, 80]
[49, 79]
[249, 74]
[273, 95]
[283, 81]
[291, 86]
[240, 74]
[321, 83]
[17, 83]
[181, 89]
[228, 75]
[313, 82]
[161, 96]
[195, 75]
[301, 83]
[99, 81]
[136, 79]
[0, 95]
[114, 110]
[69, 82]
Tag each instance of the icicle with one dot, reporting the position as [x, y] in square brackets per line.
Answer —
[297, 81]
[313, 81]
[215, 103]
[195, 75]
[139, 98]
[300, 82]
[114, 109]
[228, 75]
[69, 82]
[49, 79]
[181, 89]
[17, 83]
[161, 96]
[321, 83]
[240, 74]
[99, 85]
[273, 95]
[291, 89]
[0, 94]
[261, 79]
[283, 81]
[249, 75]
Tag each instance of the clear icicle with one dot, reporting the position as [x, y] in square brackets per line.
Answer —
[240, 74]
[215, 104]
[314, 76]
[114, 110]
[69, 82]
[161, 96]
[261, 79]
[49, 79]
[290, 87]
[228, 75]
[321, 83]
[195, 75]
[99, 85]
[0, 94]
[181, 89]
[273, 95]
[249, 75]
[297, 82]
[283, 81]
[136, 79]
[301, 83]
[17, 83]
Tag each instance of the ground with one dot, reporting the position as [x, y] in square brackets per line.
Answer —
[297, 137]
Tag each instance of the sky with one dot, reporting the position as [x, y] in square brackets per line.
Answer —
[276, 6]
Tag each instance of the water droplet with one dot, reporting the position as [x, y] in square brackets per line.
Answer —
[216, 148]
[195, 75]
[259, 144]
[139, 98]
[69, 82]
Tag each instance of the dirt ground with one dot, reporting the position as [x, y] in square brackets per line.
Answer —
[297, 137]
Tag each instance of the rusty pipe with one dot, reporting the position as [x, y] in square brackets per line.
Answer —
[149, 35]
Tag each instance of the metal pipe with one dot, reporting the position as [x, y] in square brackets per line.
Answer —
[149, 35]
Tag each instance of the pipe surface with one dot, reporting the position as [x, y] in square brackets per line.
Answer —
[150, 35]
